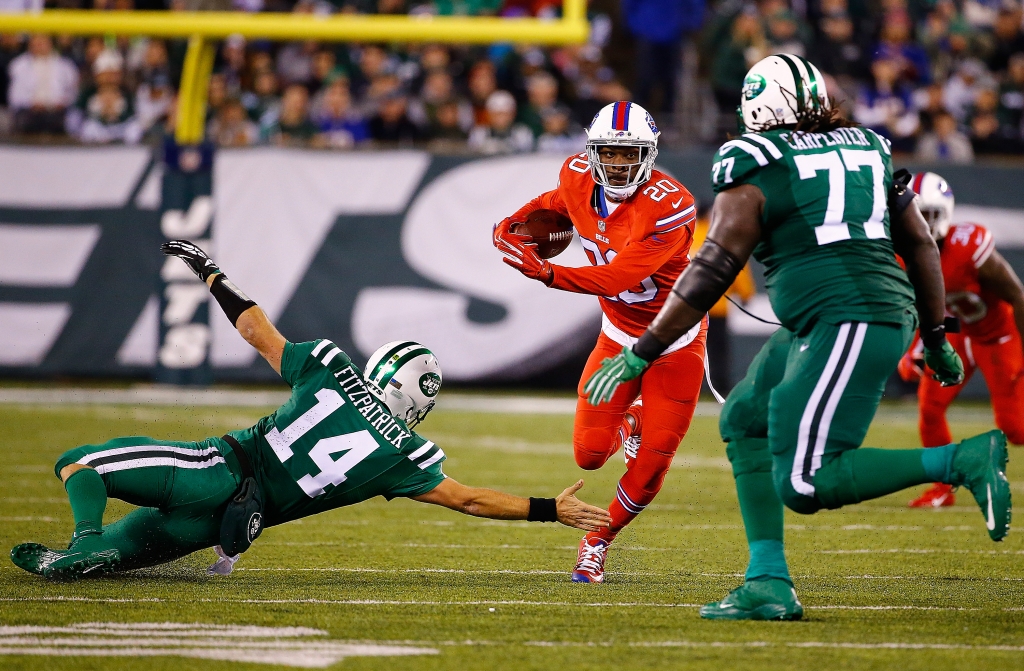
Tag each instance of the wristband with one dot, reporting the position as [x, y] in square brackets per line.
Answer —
[542, 510]
[230, 297]
[648, 347]
[934, 337]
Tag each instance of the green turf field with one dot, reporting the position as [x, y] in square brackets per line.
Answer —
[883, 587]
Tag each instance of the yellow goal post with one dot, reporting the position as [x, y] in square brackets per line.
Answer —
[203, 29]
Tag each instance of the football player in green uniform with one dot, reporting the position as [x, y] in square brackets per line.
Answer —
[342, 437]
[813, 198]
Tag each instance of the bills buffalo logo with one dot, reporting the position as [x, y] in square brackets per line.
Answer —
[652, 125]
[430, 384]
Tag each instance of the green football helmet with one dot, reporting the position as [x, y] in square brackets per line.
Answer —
[405, 376]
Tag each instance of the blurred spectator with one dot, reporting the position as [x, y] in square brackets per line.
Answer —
[786, 34]
[895, 44]
[107, 73]
[962, 88]
[658, 26]
[323, 69]
[10, 47]
[109, 117]
[391, 124]
[836, 49]
[232, 127]
[745, 46]
[43, 84]
[447, 131]
[1011, 98]
[984, 124]
[1009, 36]
[438, 89]
[232, 66]
[482, 83]
[262, 103]
[292, 128]
[295, 62]
[501, 134]
[593, 84]
[338, 125]
[153, 100]
[216, 94]
[541, 95]
[944, 143]
[885, 105]
[560, 135]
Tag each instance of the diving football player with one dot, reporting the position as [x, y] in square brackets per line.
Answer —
[986, 295]
[813, 197]
[344, 436]
[636, 225]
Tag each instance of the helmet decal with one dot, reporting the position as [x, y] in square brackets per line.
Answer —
[430, 384]
[652, 125]
[753, 86]
[620, 115]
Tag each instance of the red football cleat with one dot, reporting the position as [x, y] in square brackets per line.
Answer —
[590, 561]
[629, 433]
[936, 496]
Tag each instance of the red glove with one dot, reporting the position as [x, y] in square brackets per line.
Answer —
[500, 231]
[522, 255]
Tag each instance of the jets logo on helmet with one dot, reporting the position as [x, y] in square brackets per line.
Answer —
[406, 377]
[935, 199]
[781, 90]
[623, 124]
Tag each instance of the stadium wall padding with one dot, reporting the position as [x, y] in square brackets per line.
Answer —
[358, 247]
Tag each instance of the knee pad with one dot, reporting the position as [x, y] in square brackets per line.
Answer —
[749, 455]
[591, 447]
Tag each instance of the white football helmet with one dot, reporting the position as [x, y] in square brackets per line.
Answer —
[623, 124]
[405, 376]
[780, 90]
[935, 199]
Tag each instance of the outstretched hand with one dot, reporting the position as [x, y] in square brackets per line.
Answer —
[194, 257]
[575, 513]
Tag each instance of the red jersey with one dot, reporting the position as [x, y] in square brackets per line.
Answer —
[983, 315]
[636, 250]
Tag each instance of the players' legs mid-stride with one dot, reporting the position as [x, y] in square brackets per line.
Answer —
[793, 427]
[181, 487]
[669, 390]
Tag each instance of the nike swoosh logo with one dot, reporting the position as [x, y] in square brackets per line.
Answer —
[804, 347]
[676, 204]
[990, 522]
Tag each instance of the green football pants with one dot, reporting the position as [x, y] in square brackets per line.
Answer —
[182, 488]
[813, 398]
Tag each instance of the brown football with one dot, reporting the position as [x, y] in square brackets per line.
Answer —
[551, 231]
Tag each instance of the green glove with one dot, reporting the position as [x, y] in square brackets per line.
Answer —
[945, 363]
[623, 367]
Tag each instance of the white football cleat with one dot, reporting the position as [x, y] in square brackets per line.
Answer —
[224, 564]
[590, 561]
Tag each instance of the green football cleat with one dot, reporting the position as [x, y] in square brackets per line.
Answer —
[980, 465]
[767, 599]
[64, 564]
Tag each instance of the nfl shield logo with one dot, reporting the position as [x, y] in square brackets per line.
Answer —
[600, 225]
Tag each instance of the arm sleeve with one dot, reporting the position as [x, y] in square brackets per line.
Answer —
[637, 261]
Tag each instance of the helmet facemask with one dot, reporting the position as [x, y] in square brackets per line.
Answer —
[639, 172]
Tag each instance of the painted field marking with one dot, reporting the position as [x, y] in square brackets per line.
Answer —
[396, 602]
[287, 646]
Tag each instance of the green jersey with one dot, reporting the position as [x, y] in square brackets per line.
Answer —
[333, 443]
[825, 240]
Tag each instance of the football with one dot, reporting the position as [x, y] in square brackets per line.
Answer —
[551, 231]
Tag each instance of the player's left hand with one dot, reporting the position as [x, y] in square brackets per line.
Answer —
[522, 255]
[945, 363]
[195, 258]
[575, 513]
[623, 367]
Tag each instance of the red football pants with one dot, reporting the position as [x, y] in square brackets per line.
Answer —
[670, 388]
[1002, 365]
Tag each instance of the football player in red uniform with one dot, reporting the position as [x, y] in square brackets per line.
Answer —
[636, 225]
[985, 294]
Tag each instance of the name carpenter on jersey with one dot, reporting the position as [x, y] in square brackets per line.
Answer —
[801, 140]
[383, 423]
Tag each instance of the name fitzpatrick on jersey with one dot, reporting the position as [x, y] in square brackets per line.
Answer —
[368, 407]
[801, 140]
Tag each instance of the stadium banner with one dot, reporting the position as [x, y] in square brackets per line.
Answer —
[358, 247]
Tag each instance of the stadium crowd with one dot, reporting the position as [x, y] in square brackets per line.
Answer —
[941, 78]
